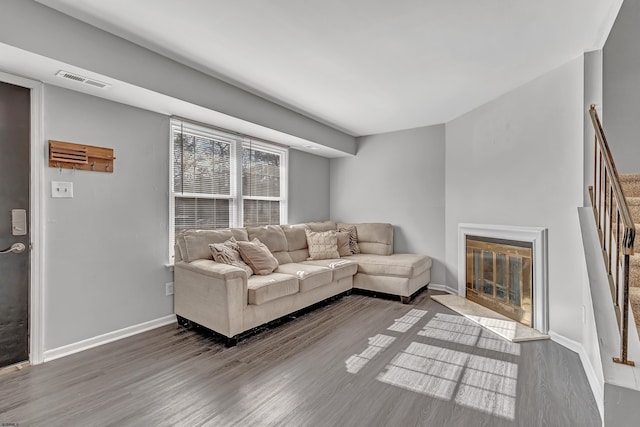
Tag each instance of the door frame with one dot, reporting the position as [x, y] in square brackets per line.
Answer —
[36, 224]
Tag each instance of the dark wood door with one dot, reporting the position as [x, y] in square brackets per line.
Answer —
[14, 195]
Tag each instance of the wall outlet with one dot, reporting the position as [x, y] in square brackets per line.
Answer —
[168, 288]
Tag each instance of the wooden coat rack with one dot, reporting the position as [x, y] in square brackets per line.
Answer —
[67, 155]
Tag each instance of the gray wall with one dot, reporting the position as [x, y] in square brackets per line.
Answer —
[396, 177]
[106, 249]
[592, 95]
[518, 160]
[308, 187]
[621, 86]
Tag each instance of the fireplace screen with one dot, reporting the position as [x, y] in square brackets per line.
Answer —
[499, 276]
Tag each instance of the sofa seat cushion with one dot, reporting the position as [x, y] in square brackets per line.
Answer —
[263, 289]
[341, 268]
[399, 265]
[309, 276]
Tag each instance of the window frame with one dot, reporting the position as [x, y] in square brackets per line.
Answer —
[237, 143]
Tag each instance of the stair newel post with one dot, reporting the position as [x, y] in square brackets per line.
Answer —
[624, 327]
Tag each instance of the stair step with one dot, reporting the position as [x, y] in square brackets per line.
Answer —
[634, 270]
[634, 208]
[634, 301]
[631, 189]
[630, 184]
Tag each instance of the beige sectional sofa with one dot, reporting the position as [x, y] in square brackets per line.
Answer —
[220, 297]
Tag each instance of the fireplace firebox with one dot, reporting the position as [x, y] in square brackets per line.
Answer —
[499, 276]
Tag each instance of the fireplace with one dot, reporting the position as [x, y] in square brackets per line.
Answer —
[499, 276]
[504, 268]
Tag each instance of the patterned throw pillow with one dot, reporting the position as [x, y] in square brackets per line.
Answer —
[229, 253]
[353, 238]
[322, 245]
[257, 255]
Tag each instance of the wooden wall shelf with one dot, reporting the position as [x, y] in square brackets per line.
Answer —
[67, 155]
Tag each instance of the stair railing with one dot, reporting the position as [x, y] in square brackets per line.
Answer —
[616, 230]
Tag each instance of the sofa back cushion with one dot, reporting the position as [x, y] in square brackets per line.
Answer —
[374, 238]
[322, 226]
[194, 244]
[273, 237]
[297, 242]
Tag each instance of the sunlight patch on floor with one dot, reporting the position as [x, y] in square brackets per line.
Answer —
[376, 345]
[451, 328]
[482, 383]
[489, 385]
[425, 369]
[489, 341]
[407, 321]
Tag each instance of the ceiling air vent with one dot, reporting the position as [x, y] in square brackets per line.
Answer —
[80, 79]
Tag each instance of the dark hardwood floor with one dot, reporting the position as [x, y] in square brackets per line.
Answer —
[359, 361]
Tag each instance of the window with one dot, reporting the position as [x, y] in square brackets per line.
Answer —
[262, 185]
[221, 180]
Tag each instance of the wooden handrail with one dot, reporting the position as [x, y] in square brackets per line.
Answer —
[611, 209]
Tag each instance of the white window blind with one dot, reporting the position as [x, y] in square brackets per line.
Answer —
[203, 184]
[262, 183]
[221, 180]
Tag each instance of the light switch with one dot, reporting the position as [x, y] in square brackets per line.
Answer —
[61, 189]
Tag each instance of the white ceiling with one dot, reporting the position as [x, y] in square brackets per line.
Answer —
[362, 66]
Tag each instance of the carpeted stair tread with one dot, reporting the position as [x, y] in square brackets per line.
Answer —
[634, 208]
[634, 302]
[631, 189]
[630, 184]
[634, 270]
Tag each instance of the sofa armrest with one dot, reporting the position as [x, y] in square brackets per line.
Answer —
[211, 294]
[214, 269]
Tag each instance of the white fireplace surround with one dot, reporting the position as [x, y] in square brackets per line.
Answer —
[538, 238]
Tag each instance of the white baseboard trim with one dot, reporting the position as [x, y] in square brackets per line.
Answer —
[79, 346]
[443, 288]
[589, 370]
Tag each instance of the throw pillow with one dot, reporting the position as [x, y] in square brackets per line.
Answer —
[229, 253]
[343, 243]
[258, 256]
[353, 238]
[322, 245]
